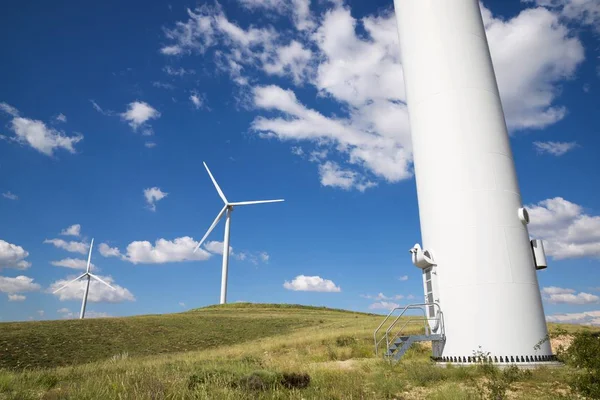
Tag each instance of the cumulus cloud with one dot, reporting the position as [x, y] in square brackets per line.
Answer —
[65, 313]
[383, 305]
[163, 251]
[73, 263]
[61, 117]
[150, 145]
[16, 297]
[403, 278]
[355, 63]
[585, 12]
[10, 196]
[567, 231]
[37, 135]
[13, 256]
[19, 284]
[582, 318]
[73, 230]
[108, 251]
[154, 195]
[558, 295]
[98, 291]
[73, 247]
[304, 283]
[381, 296]
[554, 148]
[138, 113]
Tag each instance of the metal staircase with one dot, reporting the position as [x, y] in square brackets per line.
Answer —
[397, 341]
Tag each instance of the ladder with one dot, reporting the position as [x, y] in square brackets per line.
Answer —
[395, 339]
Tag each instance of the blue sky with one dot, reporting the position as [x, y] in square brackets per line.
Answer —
[107, 111]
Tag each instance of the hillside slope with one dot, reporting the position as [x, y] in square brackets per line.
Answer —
[239, 351]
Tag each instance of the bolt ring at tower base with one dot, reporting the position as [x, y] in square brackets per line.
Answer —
[519, 361]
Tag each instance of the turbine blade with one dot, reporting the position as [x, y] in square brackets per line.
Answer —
[216, 184]
[216, 221]
[247, 203]
[87, 269]
[68, 283]
[98, 279]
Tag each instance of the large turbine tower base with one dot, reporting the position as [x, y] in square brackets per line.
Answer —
[476, 247]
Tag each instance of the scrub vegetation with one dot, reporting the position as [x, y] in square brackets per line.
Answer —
[251, 351]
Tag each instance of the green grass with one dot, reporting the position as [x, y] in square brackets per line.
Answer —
[237, 351]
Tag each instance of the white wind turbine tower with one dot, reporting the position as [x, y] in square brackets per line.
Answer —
[88, 275]
[227, 208]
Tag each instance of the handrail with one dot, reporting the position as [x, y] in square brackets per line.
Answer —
[416, 306]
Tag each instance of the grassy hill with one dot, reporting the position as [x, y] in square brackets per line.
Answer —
[237, 351]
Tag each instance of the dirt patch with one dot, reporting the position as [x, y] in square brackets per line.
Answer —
[343, 365]
[564, 341]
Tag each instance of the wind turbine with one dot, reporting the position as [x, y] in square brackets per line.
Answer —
[87, 275]
[227, 209]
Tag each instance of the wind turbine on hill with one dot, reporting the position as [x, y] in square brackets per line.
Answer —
[227, 209]
[88, 275]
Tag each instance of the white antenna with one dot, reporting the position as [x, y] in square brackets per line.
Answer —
[227, 208]
[87, 275]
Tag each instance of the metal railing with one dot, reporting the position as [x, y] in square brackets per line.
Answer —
[439, 317]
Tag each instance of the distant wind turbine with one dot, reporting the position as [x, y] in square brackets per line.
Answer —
[87, 275]
[227, 208]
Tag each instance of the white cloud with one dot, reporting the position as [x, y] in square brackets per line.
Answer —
[381, 296]
[356, 64]
[383, 305]
[10, 196]
[586, 12]
[73, 230]
[403, 278]
[178, 71]
[255, 258]
[73, 247]
[553, 290]
[154, 195]
[37, 135]
[73, 263]
[290, 60]
[163, 85]
[197, 100]
[298, 10]
[554, 148]
[164, 251]
[304, 283]
[532, 53]
[567, 231]
[557, 295]
[68, 314]
[61, 117]
[332, 175]
[10, 110]
[264, 256]
[150, 144]
[16, 297]
[19, 284]
[108, 251]
[40, 313]
[181, 304]
[216, 247]
[138, 113]
[583, 318]
[98, 291]
[13, 256]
